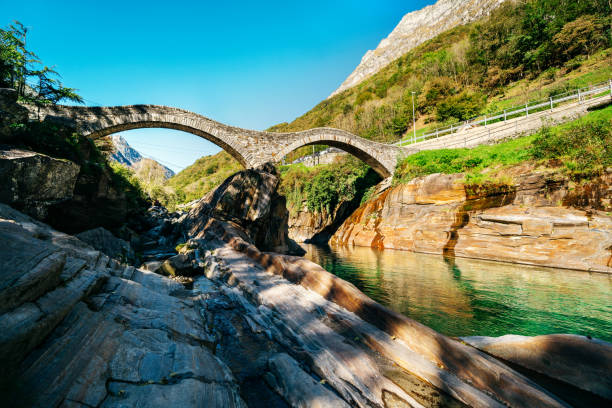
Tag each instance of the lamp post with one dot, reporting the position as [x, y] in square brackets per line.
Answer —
[413, 121]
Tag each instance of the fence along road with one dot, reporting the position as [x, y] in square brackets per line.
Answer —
[512, 122]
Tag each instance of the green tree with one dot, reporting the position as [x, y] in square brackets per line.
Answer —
[581, 36]
[23, 70]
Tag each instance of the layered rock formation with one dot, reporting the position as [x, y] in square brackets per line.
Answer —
[105, 242]
[260, 329]
[79, 329]
[540, 354]
[318, 226]
[544, 219]
[415, 28]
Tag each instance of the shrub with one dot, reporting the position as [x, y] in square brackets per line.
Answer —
[362, 97]
[585, 147]
[464, 106]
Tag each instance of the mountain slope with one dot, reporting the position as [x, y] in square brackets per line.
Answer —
[202, 176]
[415, 28]
[125, 154]
[524, 50]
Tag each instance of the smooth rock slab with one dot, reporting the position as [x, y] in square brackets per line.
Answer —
[299, 388]
[579, 361]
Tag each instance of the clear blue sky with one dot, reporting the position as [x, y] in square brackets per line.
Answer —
[245, 63]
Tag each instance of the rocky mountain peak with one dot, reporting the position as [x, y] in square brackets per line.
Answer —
[125, 154]
[414, 29]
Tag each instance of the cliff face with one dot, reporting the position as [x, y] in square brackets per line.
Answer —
[414, 29]
[318, 226]
[542, 220]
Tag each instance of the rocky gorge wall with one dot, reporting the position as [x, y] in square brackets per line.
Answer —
[251, 328]
[543, 219]
[318, 226]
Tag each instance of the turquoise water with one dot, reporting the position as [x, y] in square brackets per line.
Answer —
[464, 297]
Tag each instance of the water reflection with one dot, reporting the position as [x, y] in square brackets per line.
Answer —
[462, 297]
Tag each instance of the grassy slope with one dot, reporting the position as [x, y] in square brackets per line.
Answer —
[447, 70]
[583, 146]
[202, 176]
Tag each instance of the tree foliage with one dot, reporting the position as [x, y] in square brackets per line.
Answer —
[323, 187]
[23, 70]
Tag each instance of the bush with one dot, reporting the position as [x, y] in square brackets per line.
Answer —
[584, 147]
[464, 106]
[363, 97]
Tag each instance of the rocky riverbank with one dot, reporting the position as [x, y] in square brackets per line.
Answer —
[248, 328]
[542, 219]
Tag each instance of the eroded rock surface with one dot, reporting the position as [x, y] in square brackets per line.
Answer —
[577, 361]
[258, 329]
[105, 242]
[541, 220]
[80, 329]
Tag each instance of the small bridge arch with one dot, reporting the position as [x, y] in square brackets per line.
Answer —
[250, 147]
[382, 158]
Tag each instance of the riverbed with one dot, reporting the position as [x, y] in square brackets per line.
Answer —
[465, 297]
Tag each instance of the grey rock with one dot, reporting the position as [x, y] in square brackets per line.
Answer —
[249, 200]
[180, 265]
[576, 360]
[151, 266]
[105, 242]
[299, 388]
[187, 393]
[33, 181]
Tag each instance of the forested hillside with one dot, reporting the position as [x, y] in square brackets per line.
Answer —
[523, 50]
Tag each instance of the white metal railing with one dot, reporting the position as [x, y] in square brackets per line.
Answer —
[580, 95]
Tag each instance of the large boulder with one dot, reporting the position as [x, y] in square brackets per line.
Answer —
[249, 201]
[32, 182]
[105, 242]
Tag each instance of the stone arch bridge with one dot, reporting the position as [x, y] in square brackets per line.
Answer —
[251, 148]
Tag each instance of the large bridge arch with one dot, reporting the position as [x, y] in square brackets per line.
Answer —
[175, 126]
[250, 147]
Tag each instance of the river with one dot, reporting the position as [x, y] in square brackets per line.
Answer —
[465, 297]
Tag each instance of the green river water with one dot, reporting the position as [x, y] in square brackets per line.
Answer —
[465, 297]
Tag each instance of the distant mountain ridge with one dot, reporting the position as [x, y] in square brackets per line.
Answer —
[125, 154]
[414, 29]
